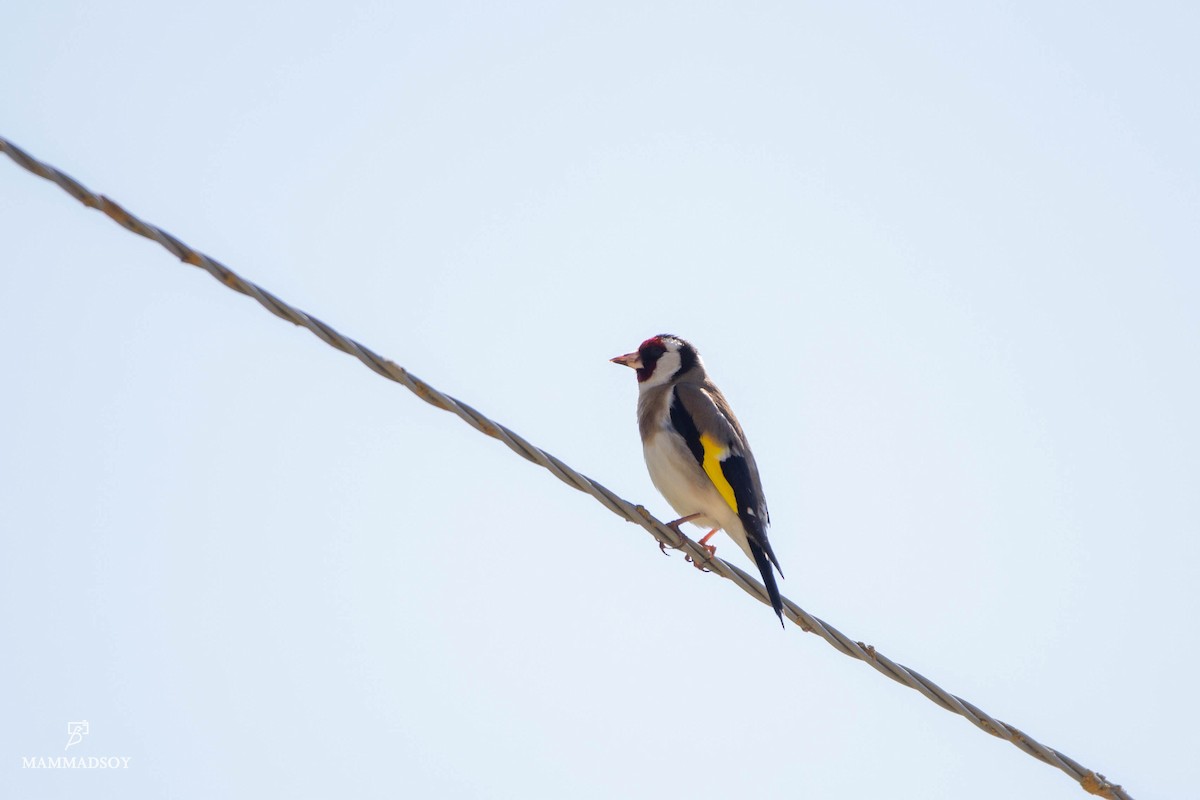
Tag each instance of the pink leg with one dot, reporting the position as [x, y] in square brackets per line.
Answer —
[675, 527]
[711, 548]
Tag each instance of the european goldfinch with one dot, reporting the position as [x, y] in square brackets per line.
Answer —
[696, 453]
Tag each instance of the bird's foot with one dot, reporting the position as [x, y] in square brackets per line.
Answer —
[712, 552]
[675, 524]
[675, 527]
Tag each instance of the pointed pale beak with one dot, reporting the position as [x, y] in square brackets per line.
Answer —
[629, 360]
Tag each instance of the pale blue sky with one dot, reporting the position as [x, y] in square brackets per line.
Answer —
[942, 259]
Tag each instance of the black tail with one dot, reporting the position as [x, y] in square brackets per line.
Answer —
[763, 561]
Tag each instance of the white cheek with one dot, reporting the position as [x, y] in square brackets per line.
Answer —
[668, 364]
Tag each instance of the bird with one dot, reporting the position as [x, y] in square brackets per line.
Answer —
[697, 455]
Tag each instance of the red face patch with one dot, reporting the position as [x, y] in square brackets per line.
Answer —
[651, 341]
[650, 351]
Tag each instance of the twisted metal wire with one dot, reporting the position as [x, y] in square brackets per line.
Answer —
[1092, 782]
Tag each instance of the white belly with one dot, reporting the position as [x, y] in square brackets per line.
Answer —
[677, 476]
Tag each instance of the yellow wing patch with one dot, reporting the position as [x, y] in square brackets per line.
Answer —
[713, 453]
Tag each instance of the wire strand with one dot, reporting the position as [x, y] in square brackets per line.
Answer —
[1092, 782]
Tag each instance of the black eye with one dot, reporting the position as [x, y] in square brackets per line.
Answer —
[651, 352]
